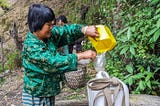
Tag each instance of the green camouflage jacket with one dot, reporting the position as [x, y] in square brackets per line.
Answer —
[43, 64]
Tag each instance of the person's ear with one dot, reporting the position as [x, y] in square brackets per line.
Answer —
[53, 22]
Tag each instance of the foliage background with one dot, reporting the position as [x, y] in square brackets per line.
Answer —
[136, 27]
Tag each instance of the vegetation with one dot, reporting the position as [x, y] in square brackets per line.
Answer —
[137, 54]
[136, 26]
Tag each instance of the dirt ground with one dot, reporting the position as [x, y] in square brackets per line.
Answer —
[11, 90]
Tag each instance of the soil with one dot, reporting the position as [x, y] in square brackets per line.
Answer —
[11, 90]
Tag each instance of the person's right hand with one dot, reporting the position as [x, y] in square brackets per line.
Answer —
[90, 31]
[89, 54]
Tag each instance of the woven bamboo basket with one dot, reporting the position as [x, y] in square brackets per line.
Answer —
[76, 79]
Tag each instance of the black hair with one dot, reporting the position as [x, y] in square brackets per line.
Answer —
[62, 18]
[38, 15]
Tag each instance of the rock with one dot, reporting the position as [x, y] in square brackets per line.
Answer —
[144, 100]
[135, 100]
[1, 11]
[72, 103]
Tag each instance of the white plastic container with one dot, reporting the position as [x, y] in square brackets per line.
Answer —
[92, 94]
[100, 62]
[101, 101]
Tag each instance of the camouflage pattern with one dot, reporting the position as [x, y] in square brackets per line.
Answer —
[43, 64]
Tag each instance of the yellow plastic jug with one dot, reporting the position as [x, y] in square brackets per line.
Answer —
[105, 41]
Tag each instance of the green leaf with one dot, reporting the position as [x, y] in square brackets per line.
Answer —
[132, 50]
[152, 45]
[156, 83]
[149, 76]
[122, 31]
[124, 50]
[156, 17]
[156, 35]
[158, 11]
[148, 68]
[149, 84]
[129, 68]
[157, 69]
[158, 23]
[130, 80]
[138, 76]
[129, 33]
[127, 76]
[133, 28]
[154, 2]
[152, 31]
[141, 85]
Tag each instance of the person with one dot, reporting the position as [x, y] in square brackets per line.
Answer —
[42, 63]
[62, 20]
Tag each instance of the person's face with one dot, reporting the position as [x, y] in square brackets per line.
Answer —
[46, 30]
[60, 23]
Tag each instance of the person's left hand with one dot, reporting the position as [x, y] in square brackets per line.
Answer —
[88, 54]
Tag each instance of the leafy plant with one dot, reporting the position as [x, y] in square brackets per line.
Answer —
[4, 4]
[135, 49]
[136, 26]
[14, 61]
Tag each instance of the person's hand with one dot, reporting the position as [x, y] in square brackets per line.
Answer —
[89, 54]
[90, 31]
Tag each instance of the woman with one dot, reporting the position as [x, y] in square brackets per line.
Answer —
[42, 63]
